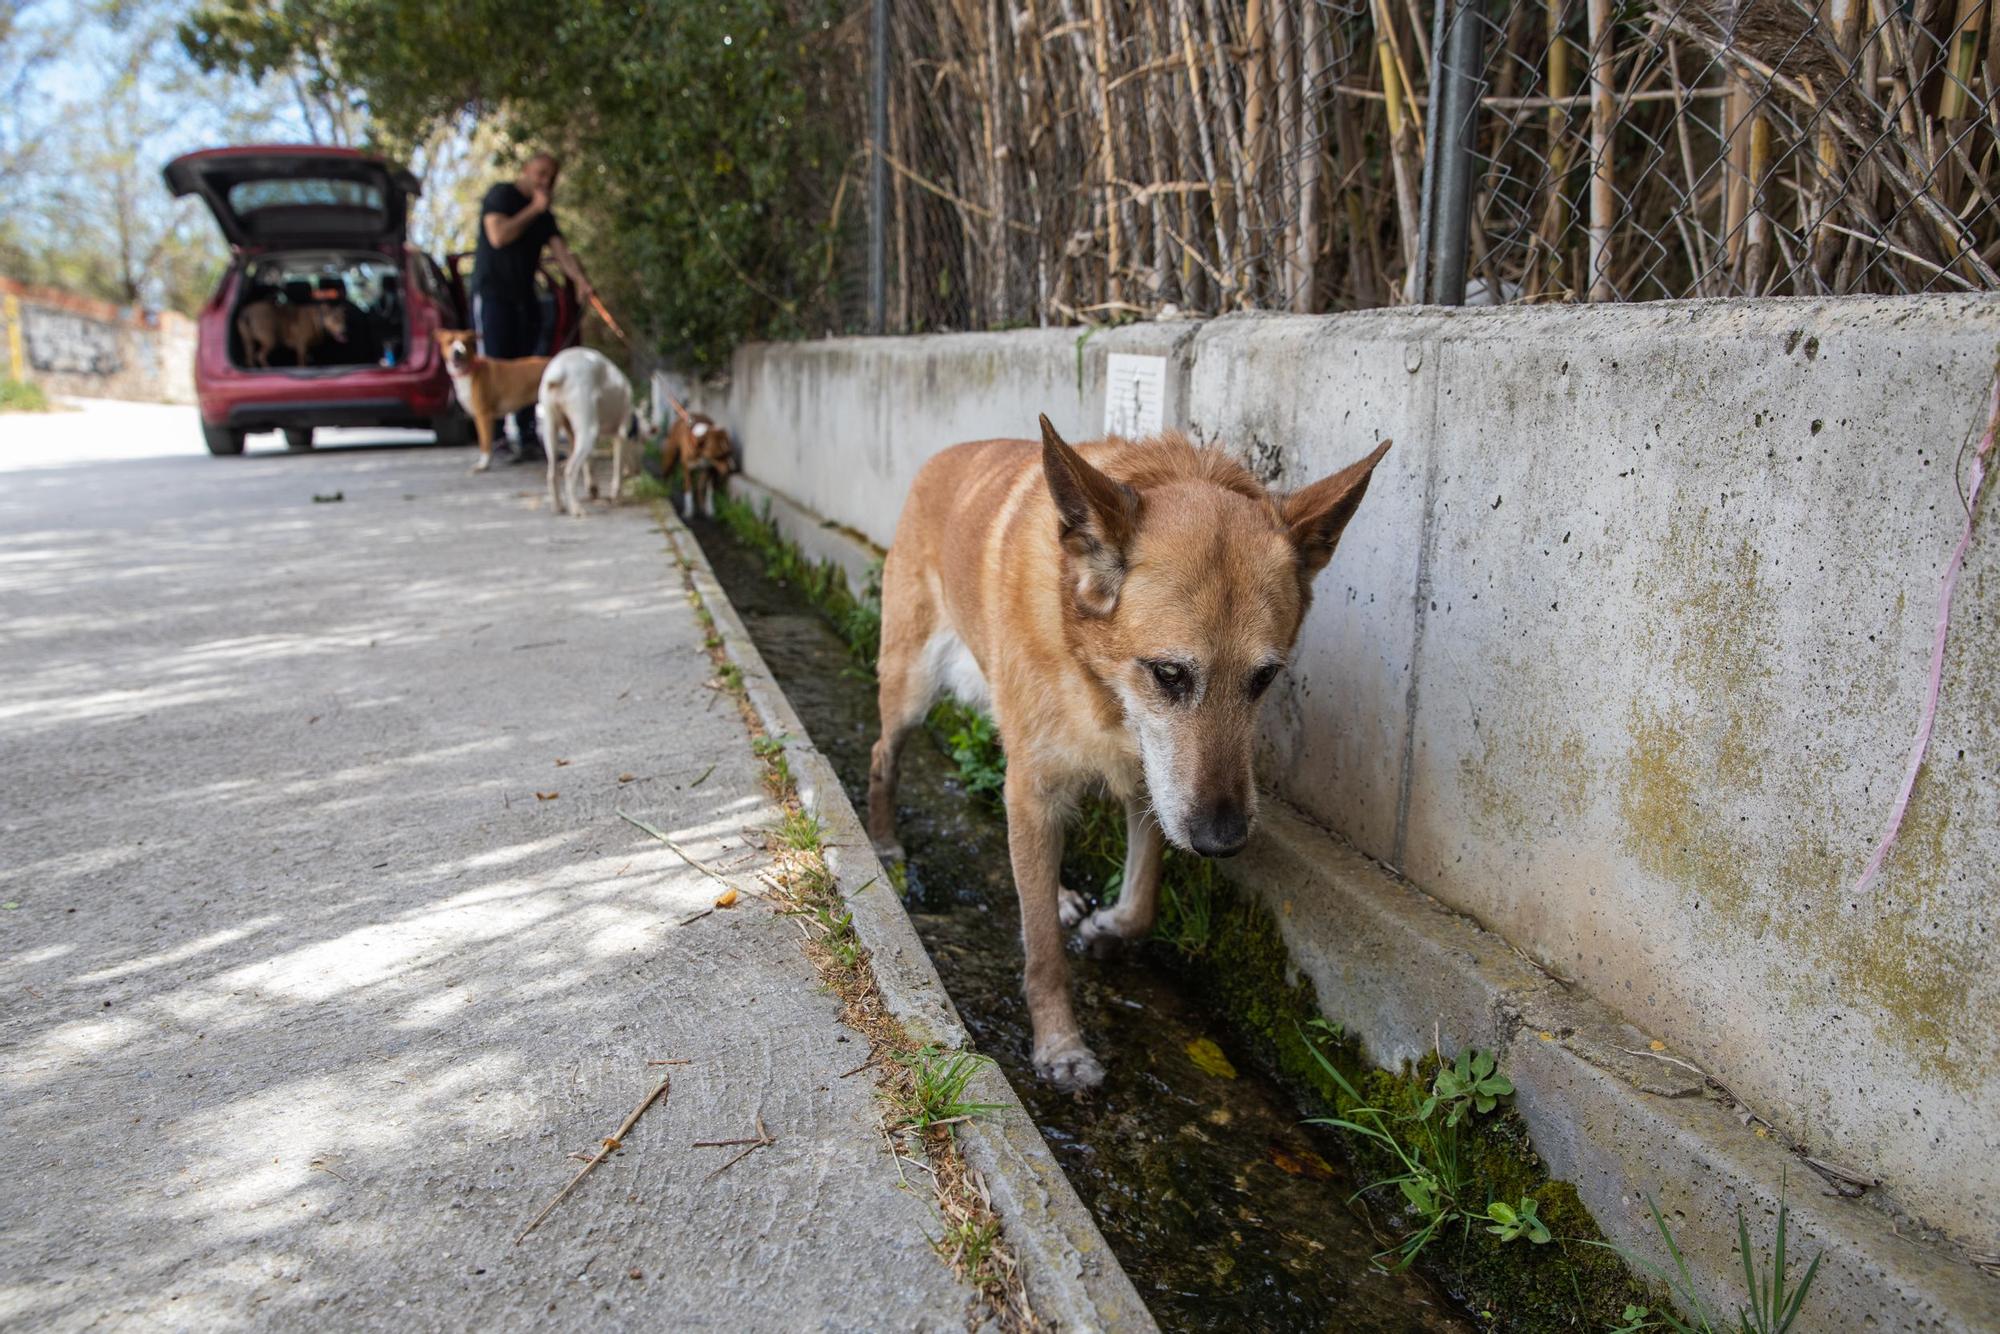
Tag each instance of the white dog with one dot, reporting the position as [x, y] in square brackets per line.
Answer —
[587, 397]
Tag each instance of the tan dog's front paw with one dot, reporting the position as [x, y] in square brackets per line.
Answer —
[1104, 933]
[1069, 1065]
[1071, 906]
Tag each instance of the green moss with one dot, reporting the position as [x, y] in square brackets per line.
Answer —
[1228, 948]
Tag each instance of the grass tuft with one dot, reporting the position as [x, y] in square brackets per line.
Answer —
[21, 396]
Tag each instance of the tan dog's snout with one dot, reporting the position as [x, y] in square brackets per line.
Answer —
[1220, 828]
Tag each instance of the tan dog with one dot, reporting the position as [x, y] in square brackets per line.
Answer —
[1120, 609]
[263, 325]
[488, 388]
[707, 456]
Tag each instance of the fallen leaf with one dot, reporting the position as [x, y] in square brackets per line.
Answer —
[626, 778]
[11, 904]
[727, 899]
[546, 796]
[1209, 1059]
[1657, 1045]
[1304, 1163]
[1547, 1036]
[562, 764]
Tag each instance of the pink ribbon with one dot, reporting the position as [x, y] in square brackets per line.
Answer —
[1929, 717]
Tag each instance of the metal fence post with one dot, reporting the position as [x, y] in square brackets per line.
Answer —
[1457, 129]
[878, 167]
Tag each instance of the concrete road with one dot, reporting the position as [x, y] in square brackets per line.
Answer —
[322, 944]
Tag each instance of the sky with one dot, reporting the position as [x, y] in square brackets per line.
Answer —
[108, 97]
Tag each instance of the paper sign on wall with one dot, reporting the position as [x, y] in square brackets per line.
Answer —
[1135, 395]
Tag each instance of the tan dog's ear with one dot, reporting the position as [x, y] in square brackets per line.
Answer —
[679, 411]
[1316, 514]
[1098, 519]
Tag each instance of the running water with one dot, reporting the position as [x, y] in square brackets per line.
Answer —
[1226, 1211]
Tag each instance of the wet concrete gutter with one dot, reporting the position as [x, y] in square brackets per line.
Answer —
[1071, 1274]
[1610, 1113]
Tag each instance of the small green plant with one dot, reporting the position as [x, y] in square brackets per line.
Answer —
[21, 396]
[1187, 920]
[764, 747]
[969, 1242]
[731, 676]
[839, 935]
[1512, 1222]
[801, 831]
[1471, 1082]
[1774, 1304]
[1426, 1146]
[938, 1082]
[647, 487]
[974, 743]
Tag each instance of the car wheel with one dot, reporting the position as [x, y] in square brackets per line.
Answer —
[454, 428]
[298, 439]
[222, 440]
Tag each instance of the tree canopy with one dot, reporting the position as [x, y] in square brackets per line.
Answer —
[711, 151]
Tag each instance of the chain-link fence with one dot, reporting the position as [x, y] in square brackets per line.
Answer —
[1057, 161]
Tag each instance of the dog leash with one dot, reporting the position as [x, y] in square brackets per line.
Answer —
[605, 315]
[1928, 717]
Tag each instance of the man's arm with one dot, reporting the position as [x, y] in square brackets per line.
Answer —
[566, 261]
[503, 230]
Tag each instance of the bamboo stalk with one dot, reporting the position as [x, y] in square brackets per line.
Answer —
[1115, 273]
[1602, 197]
[1757, 222]
[1256, 88]
[1150, 97]
[1184, 10]
[1241, 201]
[1555, 220]
[1307, 139]
[1961, 60]
[1405, 157]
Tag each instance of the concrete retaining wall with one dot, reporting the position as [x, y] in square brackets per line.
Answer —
[79, 346]
[1622, 656]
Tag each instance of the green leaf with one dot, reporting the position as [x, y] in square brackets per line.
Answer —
[1500, 1212]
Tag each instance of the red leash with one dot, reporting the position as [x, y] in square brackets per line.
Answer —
[605, 315]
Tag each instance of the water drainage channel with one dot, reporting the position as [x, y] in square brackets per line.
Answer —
[1227, 1212]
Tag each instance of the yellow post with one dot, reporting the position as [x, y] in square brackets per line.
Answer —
[17, 360]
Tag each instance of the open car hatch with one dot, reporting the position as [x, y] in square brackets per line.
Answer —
[280, 195]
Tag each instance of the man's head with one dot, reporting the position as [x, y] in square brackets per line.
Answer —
[1185, 595]
[539, 173]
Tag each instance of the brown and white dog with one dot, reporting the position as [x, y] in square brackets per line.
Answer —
[488, 388]
[264, 325]
[1120, 608]
[707, 456]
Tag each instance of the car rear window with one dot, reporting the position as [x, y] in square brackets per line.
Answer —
[308, 191]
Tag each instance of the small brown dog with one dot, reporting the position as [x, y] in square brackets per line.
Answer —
[1121, 609]
[707, 456]
[488, 388]
[264, 325]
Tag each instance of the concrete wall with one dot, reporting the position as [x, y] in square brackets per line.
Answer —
[1622, 656]
[79, 346]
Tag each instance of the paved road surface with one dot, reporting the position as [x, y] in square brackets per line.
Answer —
[305, 992]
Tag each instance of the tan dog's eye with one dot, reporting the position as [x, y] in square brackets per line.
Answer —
[1261, 679]
[1173, 677]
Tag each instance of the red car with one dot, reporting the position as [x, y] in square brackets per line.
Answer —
[323, 229]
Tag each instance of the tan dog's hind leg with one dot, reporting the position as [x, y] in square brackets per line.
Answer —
[906, 688]
[1035, 841]
[1131, 918]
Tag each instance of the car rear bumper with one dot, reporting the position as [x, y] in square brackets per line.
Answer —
[270, 416]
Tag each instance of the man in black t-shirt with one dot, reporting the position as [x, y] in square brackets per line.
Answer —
[515, 224]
